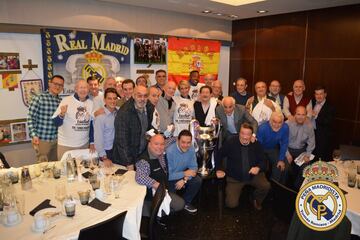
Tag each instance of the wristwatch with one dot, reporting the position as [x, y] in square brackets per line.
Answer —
[185, 181]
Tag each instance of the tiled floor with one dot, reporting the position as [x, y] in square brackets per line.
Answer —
[244, 222]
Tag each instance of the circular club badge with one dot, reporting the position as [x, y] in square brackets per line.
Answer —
[320, 205]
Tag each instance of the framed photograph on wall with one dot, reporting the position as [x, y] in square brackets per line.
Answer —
[29, 89]
[19, 132]
[150, 50]
[5, 133]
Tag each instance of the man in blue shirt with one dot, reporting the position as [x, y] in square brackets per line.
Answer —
[274, 138]
[182, 166]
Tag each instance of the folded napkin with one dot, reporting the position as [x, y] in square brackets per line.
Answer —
[300, 159]
[41, 206]
[165, 205]
[120, 171]
[99, 205]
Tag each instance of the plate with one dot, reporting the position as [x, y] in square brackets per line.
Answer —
[38, 230]
[7, 224]
[49, 213]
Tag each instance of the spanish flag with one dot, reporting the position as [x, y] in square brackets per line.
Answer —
[186, 55]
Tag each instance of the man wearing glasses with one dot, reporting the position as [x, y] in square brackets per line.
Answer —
[41, 126]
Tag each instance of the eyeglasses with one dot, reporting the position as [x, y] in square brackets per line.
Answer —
[58, 84]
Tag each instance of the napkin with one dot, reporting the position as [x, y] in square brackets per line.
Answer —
[300, 159]
[99, 205]
[41, 206]
[120, 171]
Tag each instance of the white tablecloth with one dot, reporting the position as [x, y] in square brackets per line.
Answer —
[131, 200]
[352, 197]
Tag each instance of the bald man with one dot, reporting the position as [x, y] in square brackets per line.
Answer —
[132, 121]
[74, 122]
[231, 116]
[166, 106]
[151, 171]
[209, 79]
[297, 98]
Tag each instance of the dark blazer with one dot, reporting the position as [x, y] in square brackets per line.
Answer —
[128, 132]
[199, 113]
[240, 116]
[324, 131]
[232, 151]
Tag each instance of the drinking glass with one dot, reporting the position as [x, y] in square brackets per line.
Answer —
[20, 203]
[336, 155]
[60, 193]
[351, 179]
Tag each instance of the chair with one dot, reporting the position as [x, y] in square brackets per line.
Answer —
[155, 205]
[110, 229]
[283, 208]
[298, 231]
[3, 161]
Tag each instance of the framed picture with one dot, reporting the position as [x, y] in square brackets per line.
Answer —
[29, 89]
[5, 133]
[150, 50]
[19, 132]
[9, 63]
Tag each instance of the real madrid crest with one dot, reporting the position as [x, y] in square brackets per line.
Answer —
[320, 204]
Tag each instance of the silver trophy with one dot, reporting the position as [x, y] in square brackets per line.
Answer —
[204, 141]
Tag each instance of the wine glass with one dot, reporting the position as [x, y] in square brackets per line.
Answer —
[60, 193]
[336, 155]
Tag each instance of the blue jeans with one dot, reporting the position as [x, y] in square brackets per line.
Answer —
[192, 187]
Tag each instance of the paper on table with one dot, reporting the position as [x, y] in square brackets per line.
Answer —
[300, 159]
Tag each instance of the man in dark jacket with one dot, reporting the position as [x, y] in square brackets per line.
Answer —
[245, 165]
[132, 122]
[323, 115]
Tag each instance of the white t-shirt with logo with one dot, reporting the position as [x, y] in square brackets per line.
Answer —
[183, 114]
[74, 132]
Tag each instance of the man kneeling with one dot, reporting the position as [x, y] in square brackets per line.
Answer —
[182, 164]
[151, 171]
[245, 165]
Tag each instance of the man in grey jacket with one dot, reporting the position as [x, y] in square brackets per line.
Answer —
[231, 116]
[166, 106]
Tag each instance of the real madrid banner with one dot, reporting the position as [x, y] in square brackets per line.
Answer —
[186, 55]
[77, 55]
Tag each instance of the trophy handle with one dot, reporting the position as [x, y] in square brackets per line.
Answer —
[193, 128]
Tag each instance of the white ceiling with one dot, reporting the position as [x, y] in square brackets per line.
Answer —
[245, 11]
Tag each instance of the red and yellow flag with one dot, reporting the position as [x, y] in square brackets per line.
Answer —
[186, 55]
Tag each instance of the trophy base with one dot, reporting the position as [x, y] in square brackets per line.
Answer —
[203, 172]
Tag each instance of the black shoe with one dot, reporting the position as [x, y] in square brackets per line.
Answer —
[190, 208]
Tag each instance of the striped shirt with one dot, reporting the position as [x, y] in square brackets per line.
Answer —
[40, 123]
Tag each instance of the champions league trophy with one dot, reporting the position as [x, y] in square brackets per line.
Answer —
[204, 141]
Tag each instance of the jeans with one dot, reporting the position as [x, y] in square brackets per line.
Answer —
[192, 187]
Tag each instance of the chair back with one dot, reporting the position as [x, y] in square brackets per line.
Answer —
[110, 229]
[283, 202]
[3, 161]
[155, 205]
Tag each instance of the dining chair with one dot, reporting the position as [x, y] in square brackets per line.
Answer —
[283, 206]
[3, 161]
[110, 229]
[155, 205]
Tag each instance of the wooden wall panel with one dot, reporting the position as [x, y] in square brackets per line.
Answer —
[281, 37]
[326, 41]
[334, 33]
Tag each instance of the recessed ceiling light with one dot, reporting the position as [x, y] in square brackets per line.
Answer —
[262, 11]
[237, 2]
[206, 11]
[219, 14]
[233, 16]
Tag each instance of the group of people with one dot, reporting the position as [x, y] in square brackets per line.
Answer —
[146, 129]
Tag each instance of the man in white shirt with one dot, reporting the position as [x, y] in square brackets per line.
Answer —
[73, 118]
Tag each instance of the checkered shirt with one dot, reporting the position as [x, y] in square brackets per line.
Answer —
[41, 109]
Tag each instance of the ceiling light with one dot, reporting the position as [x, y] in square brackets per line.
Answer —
[206, 11]
[219, 14]
[233, 16]
[237, 2]
[262, 11]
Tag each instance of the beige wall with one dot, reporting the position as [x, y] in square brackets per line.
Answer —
[99, 15]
